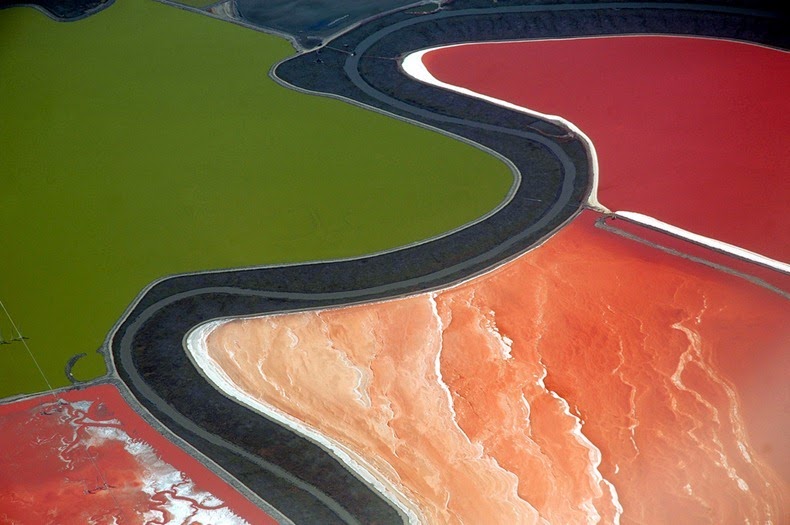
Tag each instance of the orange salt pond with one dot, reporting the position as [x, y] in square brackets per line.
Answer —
[590, 379]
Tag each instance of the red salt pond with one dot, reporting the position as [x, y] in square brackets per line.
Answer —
[593, 378]
[84, 456]
[691, 131]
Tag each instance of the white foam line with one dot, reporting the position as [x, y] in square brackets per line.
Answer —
[196, 345]
[730, 249]
[413, 66]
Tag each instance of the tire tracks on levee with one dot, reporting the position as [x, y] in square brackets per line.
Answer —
[551, 179]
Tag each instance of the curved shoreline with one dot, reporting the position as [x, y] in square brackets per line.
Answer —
[146, 343]
[413, 66]
[195, 344]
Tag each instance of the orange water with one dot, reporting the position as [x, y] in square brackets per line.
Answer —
[592, 377]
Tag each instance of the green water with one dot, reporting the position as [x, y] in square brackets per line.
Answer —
[146, 141]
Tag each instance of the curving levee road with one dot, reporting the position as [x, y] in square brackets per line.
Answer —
[551, 176]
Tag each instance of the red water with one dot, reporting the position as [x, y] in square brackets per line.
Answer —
[592, 378]
[84, 456]
[694, 132]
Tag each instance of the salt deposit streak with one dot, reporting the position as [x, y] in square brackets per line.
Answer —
[197, 347]
[705, 241]
[83, 456]
[637, 387]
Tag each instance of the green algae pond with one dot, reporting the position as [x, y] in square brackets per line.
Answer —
[146, 141]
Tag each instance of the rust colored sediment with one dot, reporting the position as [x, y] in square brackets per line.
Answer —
[84, 456]
[591, 377]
